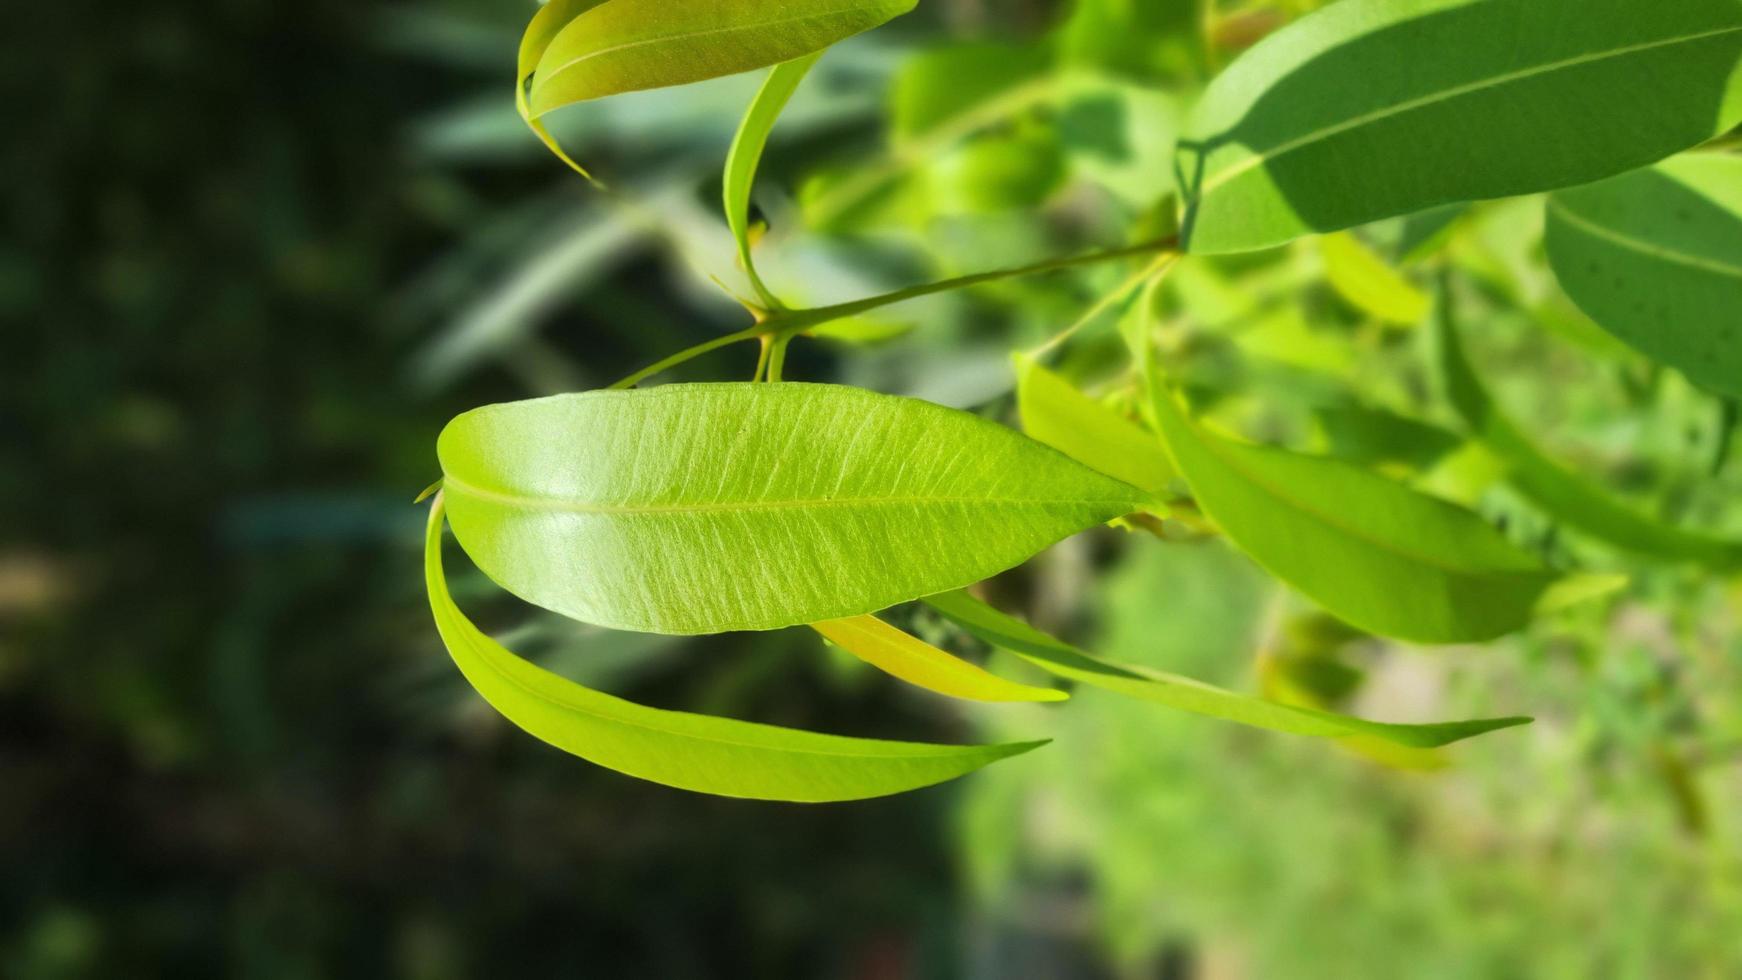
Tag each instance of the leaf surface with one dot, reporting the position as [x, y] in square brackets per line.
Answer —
[905, 656]
[1057, 414]
[1375, 553]
[1183, 693]
[705, 508]
[1655, 257]
[1360, 276]
[746, 153]
[689, 751]
[1553, 488]
[629, 45]
[1369, 109]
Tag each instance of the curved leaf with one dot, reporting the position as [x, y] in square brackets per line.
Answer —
[540, 31]
[629, 45]
[746, 153]
[1655, 257]
[705, 508]
[688, 751]
[902, 655]
[1368, 109]
[1557, 491]
[1057, 414]
[1374, 553]
[1183, 693]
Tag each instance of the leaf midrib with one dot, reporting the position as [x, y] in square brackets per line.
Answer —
[1211, 183]
[527, 502]
[1592, 227]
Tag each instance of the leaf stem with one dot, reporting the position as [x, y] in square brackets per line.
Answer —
[785, 324]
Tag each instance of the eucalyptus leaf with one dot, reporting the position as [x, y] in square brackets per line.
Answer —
[1655, 257]
[1367, 109]
[705, 508]
[1360, 276]
[1008, 633]
[905, 656]
[1562, 494]
[746, 154]
[1375, 553]
[1057, 414]
[689, 751]
[628, 45]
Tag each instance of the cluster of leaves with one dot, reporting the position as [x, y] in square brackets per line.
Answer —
[694, 509]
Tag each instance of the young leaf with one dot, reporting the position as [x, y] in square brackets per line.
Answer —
[1375, 553]
[628, 45]
[705, 508]
[544, 26]
[688, 751]
[1555, 490]
[1368, 109]
[1062, 417]
[900, 654]
[746, 153]
[1183, 693]
[1655, 257]
[1368, 283]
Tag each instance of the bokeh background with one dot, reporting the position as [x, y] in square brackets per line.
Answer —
[255, 254]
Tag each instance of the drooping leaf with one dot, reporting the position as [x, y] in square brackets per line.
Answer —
[705, 508]
[1375, 553]
[1174, 691]
[1655, 257]
[746, 154]
[1563, 494]
[540, 31]
[628, 45]
[1360, 276]
[1368, 109]
[903, 655]
[689, 751]
[1057, 414]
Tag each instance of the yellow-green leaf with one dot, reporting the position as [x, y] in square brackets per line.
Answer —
[903, 655]
[694, 752]
[1360, 276]
[1183, 693]
[1057, 414]
[746, 153]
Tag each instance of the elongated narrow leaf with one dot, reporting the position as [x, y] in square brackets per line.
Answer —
[903, 655]
[1183, 693]
[746, 154]
[705, 508]
[1374, 553]
[628, 45]
[689, 751]
[1064, 418]
[540, 31]
[1655, 257]
[1557, 491]
[1360, 276]
[1368, 109]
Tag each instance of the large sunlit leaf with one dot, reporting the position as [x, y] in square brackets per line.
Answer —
[689, 751]
[1655, 257]
[746, 154]
[1008, 633]
[628, 45]
[705, 508]
[903, 655]
[1064, 418]
[1563, 494]
[1372, 108]
[1375, 553]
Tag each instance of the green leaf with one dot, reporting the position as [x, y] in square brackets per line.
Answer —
[705, 508]
[1360, 276]
[902, 655]
[1369, 109]
[688, 751]
[1655, 257]
[1375, 553]
[1560, 493]
[1057, 414]
[1183, 693]
[746, 153]
[629, 45]
[540, 31]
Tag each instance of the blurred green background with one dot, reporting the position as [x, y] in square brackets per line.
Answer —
[256, 254]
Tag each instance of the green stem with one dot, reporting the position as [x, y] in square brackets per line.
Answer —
[777, 357]
[785, 324]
